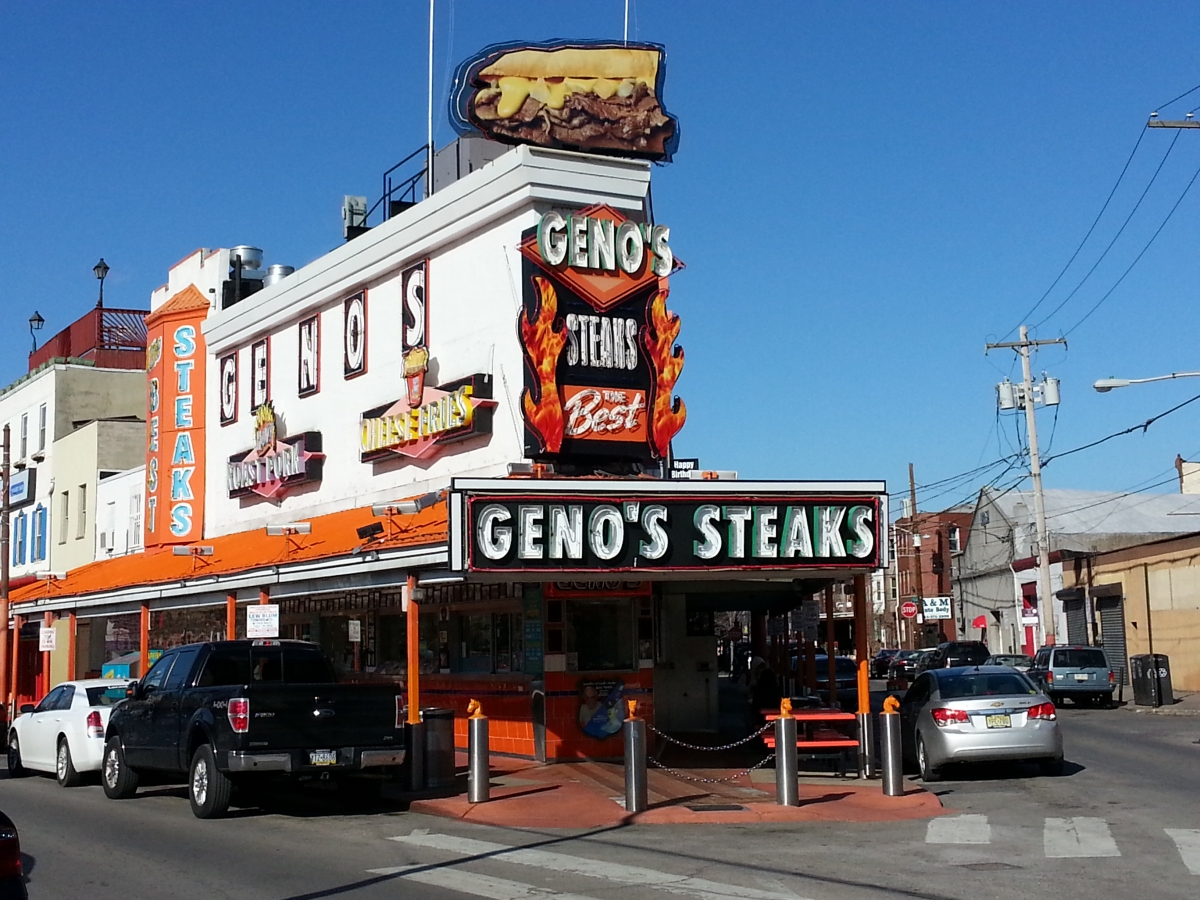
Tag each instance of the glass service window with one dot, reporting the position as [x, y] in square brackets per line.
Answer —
[182, 668]
[995, 684]
[601, 634]
[1080, 659]
[158, 673]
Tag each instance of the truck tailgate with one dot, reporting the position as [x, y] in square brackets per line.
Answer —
[322, 716]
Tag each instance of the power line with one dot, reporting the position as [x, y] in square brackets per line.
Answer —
[1140, 255]
[1180, 97]
[1120, 231]
[1143, 427]
[1095, 221]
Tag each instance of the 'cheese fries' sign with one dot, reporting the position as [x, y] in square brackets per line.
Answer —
[594, 97]
[601, 360]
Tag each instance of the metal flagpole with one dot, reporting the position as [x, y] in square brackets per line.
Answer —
[429, 131]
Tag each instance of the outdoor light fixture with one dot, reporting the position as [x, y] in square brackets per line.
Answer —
[366, 532]
[101, 270]
[35, 324]
[406, 507]
[201, 550]
[289, 528]
[1104, 385]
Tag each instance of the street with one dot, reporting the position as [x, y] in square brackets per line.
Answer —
[1122, 822]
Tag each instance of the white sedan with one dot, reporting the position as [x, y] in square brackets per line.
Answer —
[64, 734]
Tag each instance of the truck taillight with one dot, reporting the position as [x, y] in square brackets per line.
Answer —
[1112, 677]
[10, 853]
[401, 718]
[239, 714]
[95, 728]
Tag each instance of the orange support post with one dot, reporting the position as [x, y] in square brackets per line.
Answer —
[71, 648]
[47, 622]
[230, 617]
[414, 655]
[264, 596]
[861, 647]
[144, 643]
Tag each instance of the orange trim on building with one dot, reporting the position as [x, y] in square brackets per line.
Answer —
[332, 535]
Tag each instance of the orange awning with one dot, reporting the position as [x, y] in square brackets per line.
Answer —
[332, 536]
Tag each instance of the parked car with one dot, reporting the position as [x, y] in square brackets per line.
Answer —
[845, 674]
[882, 661]
[12, 874]
[949, 654]
[238, 711]
[1018, 661]
[1079, 672]
[64, 734]
[905, 663]
[978, 714]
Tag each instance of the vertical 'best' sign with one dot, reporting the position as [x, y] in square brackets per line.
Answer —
[175, 370]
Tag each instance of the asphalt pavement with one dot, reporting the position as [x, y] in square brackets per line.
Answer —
[1123, 821]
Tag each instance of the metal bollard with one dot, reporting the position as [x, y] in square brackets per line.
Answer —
[891, 760]
[866, 746]
[787, 786]
[478, 755]
[416, 755]
[635, 762]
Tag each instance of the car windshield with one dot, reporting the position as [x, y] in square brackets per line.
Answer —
[1080, 659]
[106, 696]
[985, 684]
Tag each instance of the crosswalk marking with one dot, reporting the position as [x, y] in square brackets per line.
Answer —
[1188, 842]
[476, 885]
[594, 868]
[965, 829]
[1080, 836]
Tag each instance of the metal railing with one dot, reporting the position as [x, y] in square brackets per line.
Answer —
[398, 189]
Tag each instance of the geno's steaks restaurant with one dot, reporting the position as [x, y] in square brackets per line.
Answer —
[441, 449]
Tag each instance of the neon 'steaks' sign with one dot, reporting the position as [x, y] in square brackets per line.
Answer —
[599, 342]
[275, 463]
[669, 528]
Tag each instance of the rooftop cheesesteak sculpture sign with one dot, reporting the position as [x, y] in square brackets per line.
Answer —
[628, 526]
[599, 343]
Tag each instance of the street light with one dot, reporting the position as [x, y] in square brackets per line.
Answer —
[1104, 385]
[35, 324]
[101, 270]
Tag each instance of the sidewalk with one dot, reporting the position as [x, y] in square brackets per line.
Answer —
[1184, 705]
[592, 795]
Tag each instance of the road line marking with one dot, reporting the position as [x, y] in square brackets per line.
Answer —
[1187, 841]
[593, 868]
[476, 885]
[1081, 836]
[965, 829]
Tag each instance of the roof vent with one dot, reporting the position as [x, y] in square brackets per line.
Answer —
[251, 258]
[277, 273]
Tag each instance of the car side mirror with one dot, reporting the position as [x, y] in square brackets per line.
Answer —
[27, 708]
[133, 690]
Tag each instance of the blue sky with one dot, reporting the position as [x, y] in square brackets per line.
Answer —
[864, 194]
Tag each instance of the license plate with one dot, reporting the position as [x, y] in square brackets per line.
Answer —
[1081, 676]
[322, 757]
[1004, 721]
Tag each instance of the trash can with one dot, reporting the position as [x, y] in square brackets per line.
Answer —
[1151, 677]
[439, 746]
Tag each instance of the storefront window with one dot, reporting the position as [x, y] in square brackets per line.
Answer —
[600, 634]
[477, 643]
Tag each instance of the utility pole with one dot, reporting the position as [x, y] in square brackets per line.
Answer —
[1049, 390]
[916, 555]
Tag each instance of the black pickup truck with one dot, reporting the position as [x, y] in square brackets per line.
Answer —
[233, 712]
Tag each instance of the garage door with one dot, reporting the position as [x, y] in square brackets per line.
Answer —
[1112, 634]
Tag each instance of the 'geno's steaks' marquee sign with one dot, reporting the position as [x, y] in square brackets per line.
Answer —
[614, 526]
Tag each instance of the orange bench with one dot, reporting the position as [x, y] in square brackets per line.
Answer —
[815, 735]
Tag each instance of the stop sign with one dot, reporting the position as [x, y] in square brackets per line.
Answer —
[908, 609]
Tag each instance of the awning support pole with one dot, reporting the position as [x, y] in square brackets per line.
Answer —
[230, 616]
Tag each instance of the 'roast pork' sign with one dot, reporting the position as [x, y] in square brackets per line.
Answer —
[664, 526]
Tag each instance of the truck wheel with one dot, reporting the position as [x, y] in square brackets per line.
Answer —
[64, 767]
[15, 769]
[208, 789]
[120, 782]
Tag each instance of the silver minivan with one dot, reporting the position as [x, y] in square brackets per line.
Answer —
[1080, 672]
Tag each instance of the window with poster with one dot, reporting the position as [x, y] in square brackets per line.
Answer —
[605, 626]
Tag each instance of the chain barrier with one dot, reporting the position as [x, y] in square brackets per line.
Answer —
[698, 780]
[738, 743]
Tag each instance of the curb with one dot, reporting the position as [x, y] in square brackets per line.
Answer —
[1162, 711]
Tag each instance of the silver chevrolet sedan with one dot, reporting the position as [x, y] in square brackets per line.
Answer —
[978, 714]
